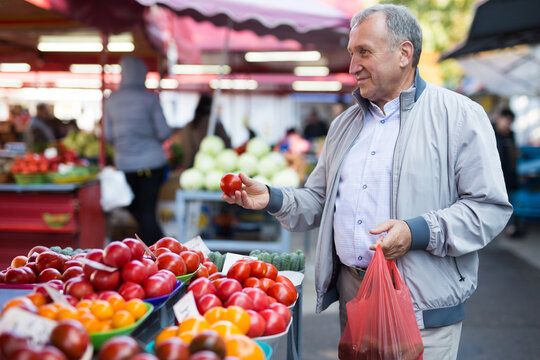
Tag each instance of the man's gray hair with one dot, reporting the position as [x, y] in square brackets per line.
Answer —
[401, 25]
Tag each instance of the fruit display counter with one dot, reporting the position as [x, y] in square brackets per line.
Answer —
[66, 215]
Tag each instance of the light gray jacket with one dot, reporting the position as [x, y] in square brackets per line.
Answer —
[134, 121]
[447, 184]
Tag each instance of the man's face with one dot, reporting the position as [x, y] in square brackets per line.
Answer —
[374, 64]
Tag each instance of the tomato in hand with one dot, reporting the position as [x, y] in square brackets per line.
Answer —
[230, 183]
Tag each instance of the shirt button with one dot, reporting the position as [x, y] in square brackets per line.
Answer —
[359, 222]
[364, 187]
[383, 121]
[359, 258]
[373, 153]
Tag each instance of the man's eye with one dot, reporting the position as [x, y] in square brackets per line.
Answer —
[363, 52]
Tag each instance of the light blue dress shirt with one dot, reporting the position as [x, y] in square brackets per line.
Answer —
[363, 199]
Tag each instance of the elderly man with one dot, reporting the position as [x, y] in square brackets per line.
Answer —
[411, 166]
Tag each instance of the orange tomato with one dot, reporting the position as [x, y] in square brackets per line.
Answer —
[166, 333]
[225, 328]
[19, 261]
[196, 324]
[48, 311]
[84, 303]
[102, 309]
[187, 336]
[37, 298]
[122, 318]
[239, 317]
[67, 313]
[21, 301]
[136, 308]
[243, 348]
[90, 322]
[215, 314]
[105, 325]
[117, 302]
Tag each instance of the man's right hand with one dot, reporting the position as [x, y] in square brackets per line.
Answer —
[254, 195]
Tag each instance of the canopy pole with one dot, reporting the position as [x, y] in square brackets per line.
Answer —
[104, 59]
[217, 94]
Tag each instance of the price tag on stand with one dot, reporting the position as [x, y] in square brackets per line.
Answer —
[197, 243]
[57, 296]
[34, 327]
[146, 248]
[97, 265]
[185, 307]
[231, 258]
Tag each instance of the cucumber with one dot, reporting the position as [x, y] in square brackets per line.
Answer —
[286, 261]
[212, 256]
[266, 257]
[302, 264]
[295, 262]
[255, 252]
[276, 261]
[220, 258]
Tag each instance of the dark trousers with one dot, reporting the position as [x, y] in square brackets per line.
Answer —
[145, 185]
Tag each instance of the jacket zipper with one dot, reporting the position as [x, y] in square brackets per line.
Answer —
[392, 215]
[461, 278]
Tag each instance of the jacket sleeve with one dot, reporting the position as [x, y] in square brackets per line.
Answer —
[163, 131]
[482, 208]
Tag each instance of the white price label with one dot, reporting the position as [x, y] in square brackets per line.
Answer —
[97, 265]
[231, 258]
[34, 327]
[57, 296]
[185, 307]
[198, 244]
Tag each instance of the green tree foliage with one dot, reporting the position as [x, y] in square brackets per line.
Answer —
[444, 24]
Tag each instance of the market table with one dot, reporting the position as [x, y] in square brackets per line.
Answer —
[21, 217]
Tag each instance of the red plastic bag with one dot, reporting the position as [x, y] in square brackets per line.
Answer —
[381, 322]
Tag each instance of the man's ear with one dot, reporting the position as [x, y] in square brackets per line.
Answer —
[406, 54]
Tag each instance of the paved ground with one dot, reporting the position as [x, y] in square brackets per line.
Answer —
[503, 316]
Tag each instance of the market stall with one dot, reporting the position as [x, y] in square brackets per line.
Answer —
[169, 297]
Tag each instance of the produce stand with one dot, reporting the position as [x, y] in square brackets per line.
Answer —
[188, 211]
[22, 223]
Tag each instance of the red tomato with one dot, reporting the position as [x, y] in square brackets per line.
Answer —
[258, 268]
[227, 287]
[258, 297]
[201, 287]
[240, 271]
[173, 262]
[271, 271]
[212, 268]
[202, 272]
[240, 299]
[230, 183]
[266, 283]
[169, 243]
[253, 282]
[275, 324]
[281, 310]
[191, 259]
[207, 302]
[285, 280]
[257, 324]
[281, 293]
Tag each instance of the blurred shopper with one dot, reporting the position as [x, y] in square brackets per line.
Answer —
[196, 130]
[508, 153]
[409, 166]
[136, 126]
[39, 133]
[315, 127]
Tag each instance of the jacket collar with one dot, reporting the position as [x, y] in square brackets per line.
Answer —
[408, 97]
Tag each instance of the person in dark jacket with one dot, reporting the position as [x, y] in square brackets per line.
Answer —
[508, 153]
[196, 130]
[136, 126]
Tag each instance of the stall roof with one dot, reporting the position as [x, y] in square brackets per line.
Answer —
[499, 24]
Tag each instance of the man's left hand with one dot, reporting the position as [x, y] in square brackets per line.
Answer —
[397, 240]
